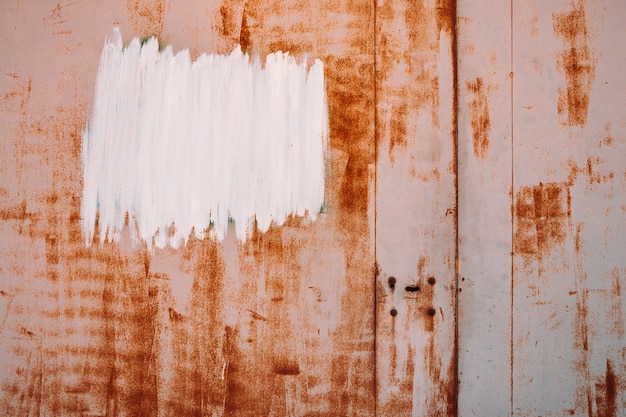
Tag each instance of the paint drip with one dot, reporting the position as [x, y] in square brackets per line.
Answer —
[175, 147]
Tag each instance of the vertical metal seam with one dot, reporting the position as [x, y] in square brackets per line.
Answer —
[455, 115]
[375, 274]
[512, 328]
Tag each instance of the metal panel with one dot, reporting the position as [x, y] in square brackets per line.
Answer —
[484, 164]
[280, 325]
[415, 208]
[567, 191]
[569, 198]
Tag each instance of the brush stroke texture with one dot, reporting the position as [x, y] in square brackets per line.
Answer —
[181, 146]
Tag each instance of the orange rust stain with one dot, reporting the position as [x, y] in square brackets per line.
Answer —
[248, 385]
[481, 124]
[409, 38]
[398, 128]
[444, 401]
[231, 20]
[147, 16]
[594, 176]
[616, 313]
[399, 404]
[608, 138]
[259, 361]
[541, 214]
[582, 309]
[611, 391]
[446, 16]
[606, 391]
[244, 33]
[208, 303]
[577, 63]
[286, 368]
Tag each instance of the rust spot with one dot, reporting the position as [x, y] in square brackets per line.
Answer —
[578, 64]
[286, 368]
[257, 316]
[594, 175]
[174, 315]
[611, 391]
[244, 32]
[608, 138]
[541, 214]
[446, 16]
[480, 117]
[17, 212]
[616, 313]
[147, 16]
[52, 249]
[229, 25]
[398, 128]
[606, 393]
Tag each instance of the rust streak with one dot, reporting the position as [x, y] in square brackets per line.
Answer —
[578, 64]
[611, 391]
[398, 129]
[481, 124]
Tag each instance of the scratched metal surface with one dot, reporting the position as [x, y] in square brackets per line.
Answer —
[541, 331]
[281, 325]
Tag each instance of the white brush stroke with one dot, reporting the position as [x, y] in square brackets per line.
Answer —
[171, 142]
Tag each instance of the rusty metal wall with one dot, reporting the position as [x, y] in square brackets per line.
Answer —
[306, 319]
[280, 325]
[542, 191]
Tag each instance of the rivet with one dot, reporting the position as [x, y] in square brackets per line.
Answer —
[392, 282]
[432, 280]
[431, 311]
[393, 312]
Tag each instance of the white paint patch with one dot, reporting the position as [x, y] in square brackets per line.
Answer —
[182, 146]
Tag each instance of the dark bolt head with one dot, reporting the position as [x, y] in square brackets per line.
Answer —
[393, 312]
[431, 311]
[392, 282]
[432, 280]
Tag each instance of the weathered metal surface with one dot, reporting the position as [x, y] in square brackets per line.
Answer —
[484, 186]
[285, 323]
[415, 208]
[280, 325]
[545, 335]
[569, 189]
